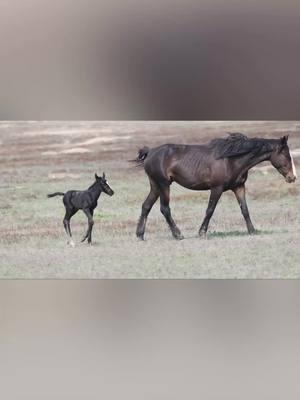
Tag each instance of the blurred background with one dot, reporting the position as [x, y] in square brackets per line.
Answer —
[149, 340]
[146, 60]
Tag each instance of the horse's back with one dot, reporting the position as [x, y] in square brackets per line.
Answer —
[168, 161]
[192, 166]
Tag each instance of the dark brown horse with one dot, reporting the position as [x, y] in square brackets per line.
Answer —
[221, 165]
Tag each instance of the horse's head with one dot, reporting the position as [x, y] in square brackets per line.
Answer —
[282, 160]
[101, 180]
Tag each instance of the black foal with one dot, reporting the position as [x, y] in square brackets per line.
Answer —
[85, 200]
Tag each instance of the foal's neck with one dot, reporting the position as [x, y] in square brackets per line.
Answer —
[96, 190]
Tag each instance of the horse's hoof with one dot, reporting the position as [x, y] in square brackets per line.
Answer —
[71, 243]
[202, 235]
[140, 238]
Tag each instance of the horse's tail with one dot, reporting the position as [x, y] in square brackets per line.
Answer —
[141, 157]
[55, 194]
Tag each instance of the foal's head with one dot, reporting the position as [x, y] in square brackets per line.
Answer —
[282, 160]
[101, 180]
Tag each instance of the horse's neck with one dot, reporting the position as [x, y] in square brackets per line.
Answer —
[249, 161]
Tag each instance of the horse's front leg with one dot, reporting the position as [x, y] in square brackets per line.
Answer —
[215, 195]
[166, 211]
[240, 194]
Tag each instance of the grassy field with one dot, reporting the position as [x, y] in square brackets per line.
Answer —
[38, 158]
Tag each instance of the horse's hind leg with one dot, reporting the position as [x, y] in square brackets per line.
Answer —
[146, 208]
[240, 194]
[215, 195]
[166, 211]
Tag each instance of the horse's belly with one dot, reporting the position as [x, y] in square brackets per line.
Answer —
[205, 180]
[198, 174]
[193, 184]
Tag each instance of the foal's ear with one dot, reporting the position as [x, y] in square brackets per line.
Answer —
[103, 176]
[96, 176]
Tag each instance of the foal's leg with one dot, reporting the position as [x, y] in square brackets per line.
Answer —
[166, 211]
[215, 195]
[92, 224]
[146, 208]
[66, 222]
[240, 194]
[89, 213]
[69, 221]
[88, 229]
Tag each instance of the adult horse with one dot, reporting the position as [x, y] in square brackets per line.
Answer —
[218, 166]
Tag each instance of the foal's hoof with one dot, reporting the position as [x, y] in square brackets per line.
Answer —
[83, 239]
[71, 243]
[140, 238]
[202, 235]
[179, 236]
[253, 232]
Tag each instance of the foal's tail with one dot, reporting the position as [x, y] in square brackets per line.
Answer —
[55, 194]
[141, 157]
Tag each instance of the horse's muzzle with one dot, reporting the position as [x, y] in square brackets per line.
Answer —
[290, 178]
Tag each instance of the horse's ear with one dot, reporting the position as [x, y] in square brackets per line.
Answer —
[96, 176]
[283, 142]
[103, 176]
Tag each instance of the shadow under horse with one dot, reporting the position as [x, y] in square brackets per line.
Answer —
[85, 200]
[218, 166]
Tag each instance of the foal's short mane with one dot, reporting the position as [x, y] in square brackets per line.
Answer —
[93, 185]
[238, 144]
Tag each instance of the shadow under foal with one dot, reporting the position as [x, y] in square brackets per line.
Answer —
[85, 200]
[218, 166]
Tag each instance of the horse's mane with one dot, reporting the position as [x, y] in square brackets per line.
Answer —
[238, 144]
